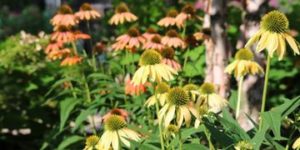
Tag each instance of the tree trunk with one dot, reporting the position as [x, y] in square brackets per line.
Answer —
[217, 49]
[253, 85]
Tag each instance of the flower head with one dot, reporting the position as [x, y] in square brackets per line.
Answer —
[154, 43]
[178, 102]
[244, 64]
[172, 130]
[86, 12]
[64, 17]
[272, 35]
[151, 67]
[122, 14]
[58, 54]
[131, 40]
[71, 60]
[116, 131]
[132, 89]
[91, 143]
[116, 111]
[63, 34]
[168, 54]
[150, 33]
[160, 96]
[169, 20]
[214, 101]
[172, 39]
[192, 90]
[187, 12]
[53, 45]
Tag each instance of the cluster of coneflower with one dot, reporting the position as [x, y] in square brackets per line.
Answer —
[175, 106]
[65, 34]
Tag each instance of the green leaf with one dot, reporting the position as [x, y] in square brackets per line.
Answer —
[66, 107]
[70, 140]
[273, 118]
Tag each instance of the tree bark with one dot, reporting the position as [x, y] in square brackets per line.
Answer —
[253, 85]
[217, 47]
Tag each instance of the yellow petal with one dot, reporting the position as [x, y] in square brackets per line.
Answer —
[253, 39]
[292, 43]
[281, 47]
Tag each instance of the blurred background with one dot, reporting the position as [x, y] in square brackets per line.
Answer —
[28, 120]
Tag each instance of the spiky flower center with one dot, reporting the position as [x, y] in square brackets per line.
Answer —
[207, 88]
[121, 8]
[133, 32]
[188, 9]
[86, 7]
[178, 96]
[156, 39]
[244, 54]
[162, 87]
[92, 141]
[114, 122]
[172, 13]
[63, 28]
[168, 52]
[65, 9]
[275, 21]
[190, 87]
[151, 30]
[150, 57]
[172, 128]
[172, 33]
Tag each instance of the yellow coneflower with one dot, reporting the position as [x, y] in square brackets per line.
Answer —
[87, 12]
[92, 143]
[178, 106]
[243, 145]
[244, 64]
[64, 17]
[116, 111]
[214, 101]
[192, 90]
[116, 132]
[187, 12]
[122, 14]
[172, 39]
[202, 110]
[152, 68]
[169, 20]
[172, 130]
[274, 30]
[241, 66]
[168, 58]
[161, 91]
[296, 144]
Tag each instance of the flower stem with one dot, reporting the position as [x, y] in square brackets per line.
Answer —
[180, 140]
[185, 58]
[87, 89]
[240, 90]
[264, 97]
[159, 123]
[207, 133]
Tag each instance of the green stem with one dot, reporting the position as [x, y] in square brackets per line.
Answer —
[180, 139]
[211, 146]
[94, 63]
[87, 90]
[185, 58]
[240, 91]
[264, 97]
[159, 122]
[74, 48]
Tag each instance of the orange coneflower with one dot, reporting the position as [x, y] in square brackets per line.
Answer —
[172, 39]
[58, 54]
[187, 12]
[79, 35]
[168, 54]
[150, 33]
[64, 17]
[53, 45]
[169, 20]
[116, 111]
[132, 89]
[63, 34]
[71, 60]
[154, 43]
[131, 40]
[87, 12]
[122, 14]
